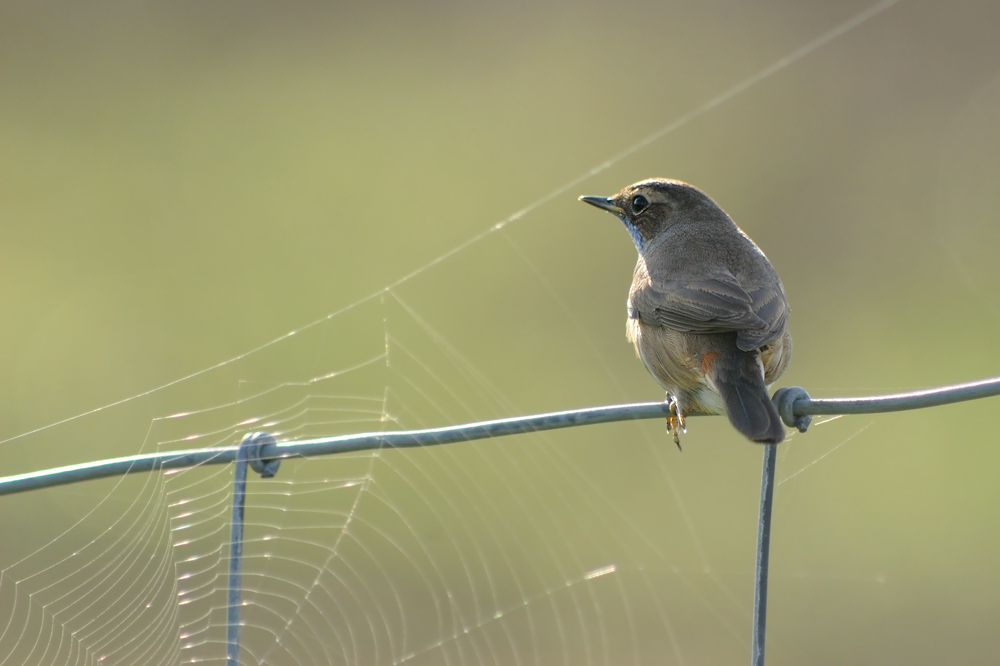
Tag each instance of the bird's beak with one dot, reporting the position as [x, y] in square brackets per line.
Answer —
[604, 203]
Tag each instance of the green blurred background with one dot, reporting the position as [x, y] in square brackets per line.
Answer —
[183, 182]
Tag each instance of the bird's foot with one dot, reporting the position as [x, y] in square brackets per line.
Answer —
[675, 423]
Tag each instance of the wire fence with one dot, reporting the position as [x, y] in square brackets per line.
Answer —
[263, 454]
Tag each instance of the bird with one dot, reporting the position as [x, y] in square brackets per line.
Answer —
[707, 313]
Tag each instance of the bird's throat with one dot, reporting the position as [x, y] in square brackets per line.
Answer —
[636, 236]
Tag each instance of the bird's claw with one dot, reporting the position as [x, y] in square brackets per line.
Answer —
[675, 422]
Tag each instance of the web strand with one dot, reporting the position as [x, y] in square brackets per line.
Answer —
[649, 139]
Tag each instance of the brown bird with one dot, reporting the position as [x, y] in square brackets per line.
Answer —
[706, 311]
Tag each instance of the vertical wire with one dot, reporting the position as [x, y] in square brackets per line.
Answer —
[236, 554]
[763, 547]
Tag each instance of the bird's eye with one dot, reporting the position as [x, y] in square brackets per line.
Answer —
[639, 203]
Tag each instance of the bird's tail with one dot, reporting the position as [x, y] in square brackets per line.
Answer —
[738, 377]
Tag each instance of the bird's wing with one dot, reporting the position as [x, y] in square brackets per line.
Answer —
[716, 305]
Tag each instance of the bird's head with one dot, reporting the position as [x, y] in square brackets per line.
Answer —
[650, 206]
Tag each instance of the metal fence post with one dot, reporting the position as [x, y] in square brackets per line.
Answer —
[248, 453]
[763, 546]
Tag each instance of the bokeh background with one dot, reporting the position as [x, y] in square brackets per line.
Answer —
[183, 183]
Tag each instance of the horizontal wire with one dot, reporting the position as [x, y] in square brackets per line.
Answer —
[802, 406]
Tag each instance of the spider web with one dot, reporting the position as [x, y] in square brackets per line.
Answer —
[601, 545]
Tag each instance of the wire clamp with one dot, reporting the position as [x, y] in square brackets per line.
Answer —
[784, 399]
[255, 442]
